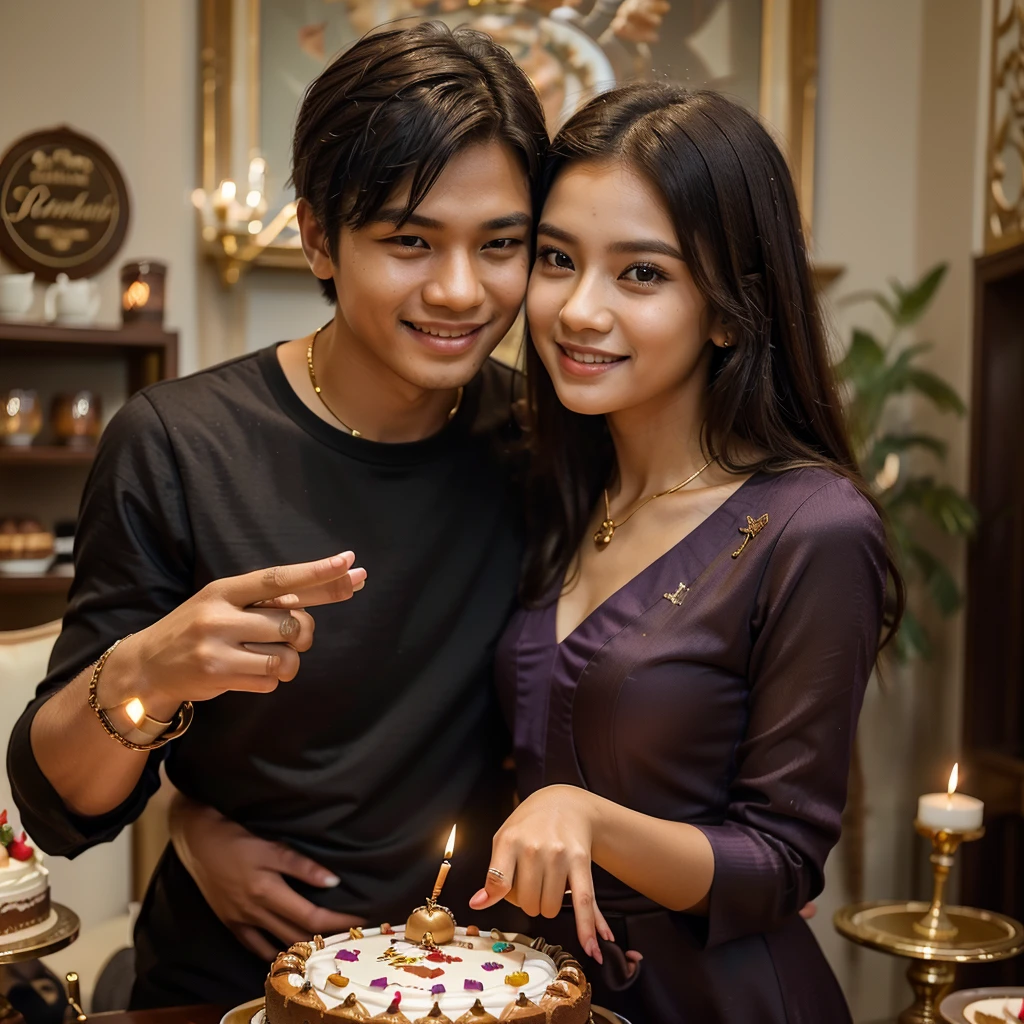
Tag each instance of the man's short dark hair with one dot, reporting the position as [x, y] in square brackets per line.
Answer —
[396, 107]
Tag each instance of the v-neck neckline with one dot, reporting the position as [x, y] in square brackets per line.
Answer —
[686, 540]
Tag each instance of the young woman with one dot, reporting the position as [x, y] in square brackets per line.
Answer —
[705, 582]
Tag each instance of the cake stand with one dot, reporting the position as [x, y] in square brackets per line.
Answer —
[61, 933]
[933, 936]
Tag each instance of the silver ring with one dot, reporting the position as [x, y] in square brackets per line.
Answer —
[289, 627]
[499, 875]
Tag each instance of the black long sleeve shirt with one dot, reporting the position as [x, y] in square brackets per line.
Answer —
[388, 734]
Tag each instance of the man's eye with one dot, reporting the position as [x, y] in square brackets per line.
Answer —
[503, 243]
[556, 258]
[409, 241]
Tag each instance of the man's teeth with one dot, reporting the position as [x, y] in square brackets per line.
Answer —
[440, 334]
[589, 357]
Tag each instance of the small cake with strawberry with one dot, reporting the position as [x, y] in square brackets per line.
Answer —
[24, 882]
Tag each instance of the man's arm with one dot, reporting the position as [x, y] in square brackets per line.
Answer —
[74, 784]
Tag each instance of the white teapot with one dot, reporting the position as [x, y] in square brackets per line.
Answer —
[72, 302]
[15, 294]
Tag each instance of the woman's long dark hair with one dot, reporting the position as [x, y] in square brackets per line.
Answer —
[731, 199]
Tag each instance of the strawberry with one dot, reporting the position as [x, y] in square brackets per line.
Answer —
[20, 850]
[3, 817]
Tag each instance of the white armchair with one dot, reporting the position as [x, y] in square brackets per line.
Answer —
[96, 885]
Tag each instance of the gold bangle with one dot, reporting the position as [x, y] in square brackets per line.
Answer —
[181, 721]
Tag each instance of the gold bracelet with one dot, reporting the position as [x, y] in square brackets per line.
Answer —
[181, 721]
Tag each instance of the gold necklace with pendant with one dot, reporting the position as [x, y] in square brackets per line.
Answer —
[316, 387]
[603, 536]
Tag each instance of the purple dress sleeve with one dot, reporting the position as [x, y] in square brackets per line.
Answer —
[816, 624]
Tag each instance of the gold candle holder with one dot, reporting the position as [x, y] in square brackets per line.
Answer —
[431, 925]
[934, 936]
[936, 923]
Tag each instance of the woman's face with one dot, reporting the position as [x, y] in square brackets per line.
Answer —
[613, 311]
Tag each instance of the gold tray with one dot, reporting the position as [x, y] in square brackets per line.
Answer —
[63, 932]
[888, 925]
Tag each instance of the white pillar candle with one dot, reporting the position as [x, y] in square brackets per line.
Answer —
[952, 811]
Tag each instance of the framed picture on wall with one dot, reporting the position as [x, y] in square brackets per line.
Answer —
[258, 56]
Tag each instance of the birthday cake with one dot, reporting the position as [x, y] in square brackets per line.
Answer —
[24, 882]
[377, 974]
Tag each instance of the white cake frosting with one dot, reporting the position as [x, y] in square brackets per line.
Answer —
[21, 880]
[417, 998]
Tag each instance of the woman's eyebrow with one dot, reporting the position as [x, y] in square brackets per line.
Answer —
[641, 245]
[544, 228]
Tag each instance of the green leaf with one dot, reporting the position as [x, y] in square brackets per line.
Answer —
[864, 358]
[912, 302]
[900, 443]
[936, 390]
[872, 296]
[912, 640]
[939, 580]
[6, 835]
[941, 503]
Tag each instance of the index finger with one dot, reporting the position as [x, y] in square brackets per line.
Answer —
[278, 580]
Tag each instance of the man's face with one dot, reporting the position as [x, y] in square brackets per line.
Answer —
[430, 299]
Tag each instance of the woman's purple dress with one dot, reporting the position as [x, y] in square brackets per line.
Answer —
[721, 690]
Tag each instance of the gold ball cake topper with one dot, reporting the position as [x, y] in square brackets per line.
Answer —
[432, 924]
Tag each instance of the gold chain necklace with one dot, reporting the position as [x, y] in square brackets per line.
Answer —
[316, 387]
[603, 536]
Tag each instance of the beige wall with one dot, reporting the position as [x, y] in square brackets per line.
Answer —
[897, 162]
[124, 72]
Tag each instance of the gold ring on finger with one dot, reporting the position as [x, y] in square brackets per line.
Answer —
[499, 875]
[289, 627]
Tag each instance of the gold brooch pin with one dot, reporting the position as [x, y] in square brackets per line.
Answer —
[751, 530]
[677, 597]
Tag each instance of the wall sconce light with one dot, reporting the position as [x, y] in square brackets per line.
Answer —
[233, 230]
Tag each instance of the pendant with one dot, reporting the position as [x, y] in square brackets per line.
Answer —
[603, 537]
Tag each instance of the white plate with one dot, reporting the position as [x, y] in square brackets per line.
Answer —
[243, 1013]
[993, 1006]
[25, 566]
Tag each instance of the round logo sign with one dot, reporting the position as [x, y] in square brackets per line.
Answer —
[63, 204]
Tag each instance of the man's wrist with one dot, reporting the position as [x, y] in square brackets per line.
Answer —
[123, 679]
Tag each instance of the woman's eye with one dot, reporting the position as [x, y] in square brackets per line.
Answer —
[643, 273]
[556, 258]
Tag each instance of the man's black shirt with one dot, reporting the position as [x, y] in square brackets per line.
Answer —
[388, 734]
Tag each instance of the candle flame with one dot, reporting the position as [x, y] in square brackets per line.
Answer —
[954, 776]
[450, 848]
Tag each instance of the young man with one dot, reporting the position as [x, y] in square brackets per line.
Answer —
[382, 434]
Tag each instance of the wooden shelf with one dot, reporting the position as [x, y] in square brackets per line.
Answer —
[47, 583]
[46, 455]
[151, 350]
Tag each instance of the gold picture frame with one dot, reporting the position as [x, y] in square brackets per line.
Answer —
[236, 236]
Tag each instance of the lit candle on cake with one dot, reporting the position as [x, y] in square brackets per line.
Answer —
[432, 924]
[950, 811]
[445, 867]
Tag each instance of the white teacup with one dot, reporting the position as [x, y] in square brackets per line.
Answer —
[72, 302]
[15, 294]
